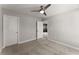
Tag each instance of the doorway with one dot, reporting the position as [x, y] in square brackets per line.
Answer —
[39, 29]
[45, 31]
[10, 30]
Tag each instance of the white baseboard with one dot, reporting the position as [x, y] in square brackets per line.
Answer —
[20, 42]
[67, 45]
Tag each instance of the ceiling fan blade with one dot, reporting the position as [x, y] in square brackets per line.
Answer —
[35, 10]
[41, 7]
[47, 6]
[45, 13]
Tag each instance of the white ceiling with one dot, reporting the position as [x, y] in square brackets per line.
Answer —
[61, 8]
[52, 10]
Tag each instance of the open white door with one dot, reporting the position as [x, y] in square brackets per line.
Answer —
[10, 30]
[39, 29]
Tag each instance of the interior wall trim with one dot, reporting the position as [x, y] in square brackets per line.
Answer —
[20, 42]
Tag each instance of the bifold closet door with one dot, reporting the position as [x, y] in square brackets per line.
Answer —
[10, 30]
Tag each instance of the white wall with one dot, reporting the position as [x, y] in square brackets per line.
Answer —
[0, 27]
[27, 28]
[27, 25]
[65, 28]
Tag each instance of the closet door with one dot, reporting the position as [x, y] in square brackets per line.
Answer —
[10, 30]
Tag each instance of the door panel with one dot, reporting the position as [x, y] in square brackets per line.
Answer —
[10, 30]
[39, 29]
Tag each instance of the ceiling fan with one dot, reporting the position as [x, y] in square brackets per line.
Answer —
[42, 9]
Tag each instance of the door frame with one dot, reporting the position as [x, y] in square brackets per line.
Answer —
[36, 30]
[3, 46]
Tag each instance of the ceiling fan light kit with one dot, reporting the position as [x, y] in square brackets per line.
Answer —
[42, 12]
[42, 9]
